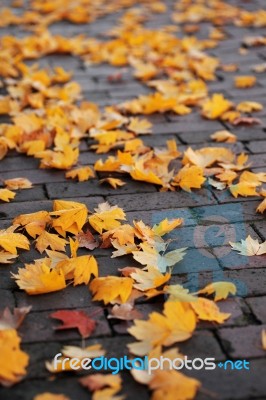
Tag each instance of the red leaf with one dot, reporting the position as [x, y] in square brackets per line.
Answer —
[75, 319]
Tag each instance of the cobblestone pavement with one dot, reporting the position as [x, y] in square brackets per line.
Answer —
[212, 219]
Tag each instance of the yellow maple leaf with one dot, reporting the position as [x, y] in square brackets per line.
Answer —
[253, 178]
[167, 226]
[60, 159]
[18, 183]
[207, 156]
[249, 106]
[245, 81]
[216, 106]
[39, 278]
[243, 189]
[71, 216]
[207, 310]
[173, 385]
[111, 289]
[114, 182]
[78, 268]
[139, 126]
[34, 223]
[227, 176]
[189, 177]
[145, 175]
[176, 324]
[148, 279]
[221, 290]
[9, 240]
[106, 217]
[83, 173]
[224, 136]
[123, 233]
[51, 240]
[13, 361]
[6, 195]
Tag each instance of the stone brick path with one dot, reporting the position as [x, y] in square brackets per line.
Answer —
[212, 219]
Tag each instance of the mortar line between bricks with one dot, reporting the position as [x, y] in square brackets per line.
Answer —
[257, 231]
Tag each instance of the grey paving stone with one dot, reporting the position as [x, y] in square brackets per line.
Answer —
[242, 342]
[228, 213]
[6, 299]
[257, 147]
[71, 297]
[232, 385]
[203, 344]
[35, 193]
[21, 163]
[258, 307]
[93, 188]
[162, 200]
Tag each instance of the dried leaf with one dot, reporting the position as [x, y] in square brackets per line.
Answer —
[73, 319]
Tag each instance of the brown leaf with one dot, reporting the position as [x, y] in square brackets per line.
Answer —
[87, 240]
[246, 121]
[9, 320]
[125, 312]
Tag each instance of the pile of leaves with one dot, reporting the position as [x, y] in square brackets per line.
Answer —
[72, 224]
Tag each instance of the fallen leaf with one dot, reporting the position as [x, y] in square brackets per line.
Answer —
[9, 241]
[173, 385]
[46, 239]
[9, 320]
[221, 290]
[106, 217]
[73, 319]
[249, 247]
[13, 361]
[111, 288]
[124, 312]
[246, 121]
[114, 182]
[246, 81]
[87, 240]
[80, 269]
[36, 279]
[18, 183]
[82, 173]
[6, 195]
[224, 136]
[207, 310]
